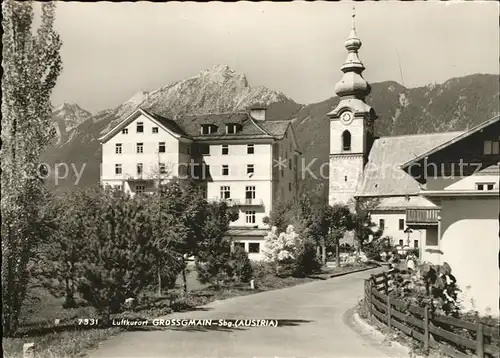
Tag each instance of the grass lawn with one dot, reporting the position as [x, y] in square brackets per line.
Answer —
[68, 339]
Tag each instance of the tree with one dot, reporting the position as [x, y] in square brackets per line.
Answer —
[31, 64]
[213, 257]
[243, 269]
[120, 258]
[363, 225]
[60, 258]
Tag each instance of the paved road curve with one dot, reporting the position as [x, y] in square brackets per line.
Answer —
[317, 324]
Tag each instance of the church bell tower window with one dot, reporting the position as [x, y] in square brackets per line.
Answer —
[346, 141]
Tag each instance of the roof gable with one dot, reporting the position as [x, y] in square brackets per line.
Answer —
[452, 141]
[165, 123]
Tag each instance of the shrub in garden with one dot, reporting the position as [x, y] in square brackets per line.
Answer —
[243, 269]
[282, 250]
[120, 259]
[431, 285]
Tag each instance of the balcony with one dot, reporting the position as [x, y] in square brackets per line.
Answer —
[240, 202]
[422, 218]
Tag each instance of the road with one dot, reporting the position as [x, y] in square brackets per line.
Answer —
[317, 323]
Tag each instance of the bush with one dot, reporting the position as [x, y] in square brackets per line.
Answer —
[120, 260]
[307, 261]
[242, 266]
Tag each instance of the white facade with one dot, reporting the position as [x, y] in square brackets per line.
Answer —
[249, 174]
[394, 225]
[152, 149]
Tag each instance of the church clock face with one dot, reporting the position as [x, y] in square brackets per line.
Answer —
[346, 117]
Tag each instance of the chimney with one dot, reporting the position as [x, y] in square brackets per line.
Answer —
[258, 113]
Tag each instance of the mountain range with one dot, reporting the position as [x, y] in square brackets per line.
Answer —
[457, 104]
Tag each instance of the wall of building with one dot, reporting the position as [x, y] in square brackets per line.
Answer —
[466, 183]
[285, 168]
[254, 256]
[344, 174]
[470, 245]
[150, 158]
[237, 160]
[392, 230]
[430, 247]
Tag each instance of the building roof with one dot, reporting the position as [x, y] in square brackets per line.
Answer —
[189, 126]
[451, 141]
[403, 203]
[383, 175]
[167, 123]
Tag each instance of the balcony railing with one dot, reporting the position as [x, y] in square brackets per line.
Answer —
[422, 216]
[240, 202]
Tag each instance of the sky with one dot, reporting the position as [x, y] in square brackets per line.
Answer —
[113, 50]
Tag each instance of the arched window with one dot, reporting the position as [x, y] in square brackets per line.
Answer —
[346, 140]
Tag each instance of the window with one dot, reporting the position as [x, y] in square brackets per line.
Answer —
[208, 128]
[249, 193]
[485, 186]
[225, 192]
[140, 127]
[225, 170]
[118, 148]
[290, 164]
[140, 189]
[289, 186]
[250, 217]
[401, 224]
[345, 177]
[254, 247]
[415, 244]
[231, 128]
[239, 244]
[162, 168]
[346, 140]
[250, 169]
[381, 224]
[118, 169]
[225, 149]
[119, 187]
[494, 147]
[161, 147]
[139, 168]
[250, 149]
[155, 130]
[125, 131]
[401, 242]
[282, 172]
[140, 148]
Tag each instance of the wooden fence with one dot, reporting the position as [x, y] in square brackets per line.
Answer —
[432, 330]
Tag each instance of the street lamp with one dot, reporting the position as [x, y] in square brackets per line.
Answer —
[408, 231]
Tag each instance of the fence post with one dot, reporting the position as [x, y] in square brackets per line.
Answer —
[370, 297]
[426, 329]
[479, 340]
[389, 312]
[386, 283]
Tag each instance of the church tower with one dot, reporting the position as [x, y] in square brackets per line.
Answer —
[351, 126]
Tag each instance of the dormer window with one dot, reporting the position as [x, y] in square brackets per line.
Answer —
[232, 128]
[208, 129]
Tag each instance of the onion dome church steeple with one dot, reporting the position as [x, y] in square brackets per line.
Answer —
[352, 83]
[351, 126]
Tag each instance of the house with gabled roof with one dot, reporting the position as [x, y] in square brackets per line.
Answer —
[413, 191]
[238, 157]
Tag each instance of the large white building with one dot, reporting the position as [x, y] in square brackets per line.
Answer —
[453, 220]
[238, 157]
